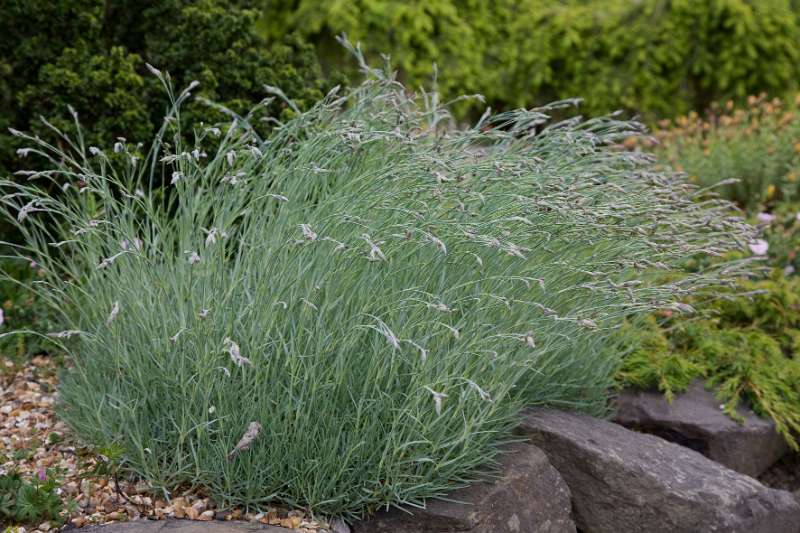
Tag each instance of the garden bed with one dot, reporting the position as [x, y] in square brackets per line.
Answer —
[34, 442]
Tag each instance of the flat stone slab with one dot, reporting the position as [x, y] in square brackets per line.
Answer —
[183, 526]
[622, 480]
[694, 419]
[528, 497]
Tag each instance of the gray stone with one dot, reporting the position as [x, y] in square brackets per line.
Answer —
[528, 497]
[622, 480]
[182, 526]
[695, 420]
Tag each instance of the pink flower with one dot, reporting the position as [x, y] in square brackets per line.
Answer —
[765, 218]
[42, 474]
[758, 247]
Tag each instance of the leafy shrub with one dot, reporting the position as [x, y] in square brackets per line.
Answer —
[758, 146]
[747, 348]
[91, 54]
[349, 313]
[781, 230]
[22, 311]
[31, 501]
[658, 57]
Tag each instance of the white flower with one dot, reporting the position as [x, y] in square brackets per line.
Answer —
[114, 312]
[438, 242]
[95, 150]
[375, 253]
[64, 334]
[118, 147]
[193, 258]
[758, 246]
[109, 260]
[485, 396]
[125, 244]
[26, 210]
[437, 400]
[23, 152]
[247, 439]
[439, 307]
[203, 313]
[230, 157]
[308, 233]
[529, 339]
[423, 353]
[176, 177]
[211, 236]
[233, 350]
[175, 337]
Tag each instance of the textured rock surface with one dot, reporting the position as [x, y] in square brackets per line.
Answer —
[622, 480]
[694, 419]
[182, 526]
[529, 497]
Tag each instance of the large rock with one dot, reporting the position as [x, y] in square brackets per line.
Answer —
[529, 497]
[622, 480]
[694, 419]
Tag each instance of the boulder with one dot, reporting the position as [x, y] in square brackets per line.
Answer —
[622, 480]
[527, 497]
[694, 419]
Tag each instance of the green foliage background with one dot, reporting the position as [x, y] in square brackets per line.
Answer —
[657, 57]
[91, 54]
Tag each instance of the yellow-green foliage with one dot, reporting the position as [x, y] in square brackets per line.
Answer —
[661, 57]
[746, 347]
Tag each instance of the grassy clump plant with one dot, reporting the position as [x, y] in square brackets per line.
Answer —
[349, 313]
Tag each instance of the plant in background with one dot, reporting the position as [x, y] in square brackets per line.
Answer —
[752, 153]
[91, 54]
[656, 57]
[745, 348]
[349, 313]
[21, 310]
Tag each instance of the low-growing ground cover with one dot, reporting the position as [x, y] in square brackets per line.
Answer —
[349, 313]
